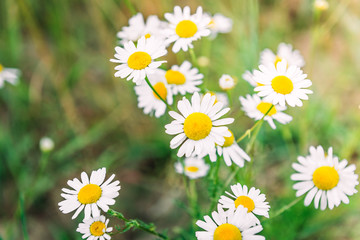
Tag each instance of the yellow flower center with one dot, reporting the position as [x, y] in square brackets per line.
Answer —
[89, 194]
[139, 60]
[213, 94]
[175, 77]
[197, 126]
[148, 35]
[192, 169]
[211, 23]
[282, 85]
[186, 29]
[161, 90]
[277, 59]
[263, 107]
[97, 228]
[1, 67]
[246, 202]
[229, 140]
[227, 231]
[325, 178]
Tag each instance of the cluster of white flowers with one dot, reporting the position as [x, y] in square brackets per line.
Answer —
[91, 195]
[236, 216]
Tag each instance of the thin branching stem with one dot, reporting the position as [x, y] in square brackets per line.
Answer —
[137, 224]
[157, 94]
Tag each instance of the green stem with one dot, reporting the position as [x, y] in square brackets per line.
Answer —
[215, 184]
[137, 224]
[23, 217]
[193, 57]
[285, 208]
[131, 7]
[248, 132]
[157, 94]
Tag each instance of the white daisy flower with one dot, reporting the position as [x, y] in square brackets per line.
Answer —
[282, 84]
[198, 127]
[324, 178]
[184, 28]
[148, 99]
[256, 109]
[231, 152]
[285, 52]
[90, 194]
[10, 75]
[321, 5]
[232, 225]
[184, 78]
[194, 167]
[249, 77]
[226, 82]
[95, 228]
[46, 144]
[138, 28]
[220, 24]
[219, 97]
[252, 200]
[136, 62]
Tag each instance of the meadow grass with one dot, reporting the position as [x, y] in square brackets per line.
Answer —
[67, 91]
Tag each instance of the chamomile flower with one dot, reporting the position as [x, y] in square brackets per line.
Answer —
[198, 127]
[231, 152]
[184, 78]
[226, 82]
[324, 178]
[185, 28]
[10, 75]
[136, 62]
[46, 144]
[255, 108]
[220, 24]
[91, 194]
[321, 5]
[138, 28]
[231, 225]
[148, 99]
[95, 228]
[252, 200]
[282, 84]
[194, 167]
[249, 77]
[220, 97]
[284, 52]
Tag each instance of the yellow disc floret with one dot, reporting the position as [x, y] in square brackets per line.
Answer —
[197, 126]
[192, 169]
[1, 67]
[186, 29]
[139, 60]
[90, 193]
[97, 228]
[175, 77]
[282, 85]
[227, 231]
[246, 202]
[263, 107]
[148, 35]
[229, 140]
[161, 90]
[325, 178]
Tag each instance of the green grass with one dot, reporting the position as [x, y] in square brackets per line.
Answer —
[67, 92]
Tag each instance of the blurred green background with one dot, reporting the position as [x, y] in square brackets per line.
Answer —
[67, 92]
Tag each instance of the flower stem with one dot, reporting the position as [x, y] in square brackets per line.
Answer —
[285, 208]
[149, 228]
[248, 132]
[131, 7]
[157, 94]
[193, 57]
